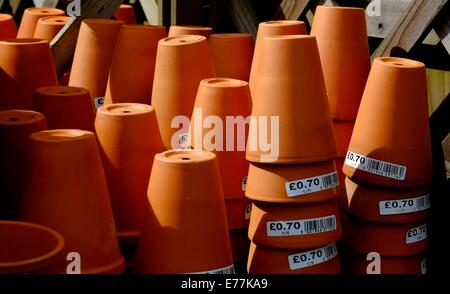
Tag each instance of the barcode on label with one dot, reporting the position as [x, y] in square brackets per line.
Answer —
[416, 234]
[312, 185]
[374, 166]
[410, 205]
[301, 227]
[229, 270]
[312, 257]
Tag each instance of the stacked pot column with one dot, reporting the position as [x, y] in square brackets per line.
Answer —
[389, 171]
[292, 180]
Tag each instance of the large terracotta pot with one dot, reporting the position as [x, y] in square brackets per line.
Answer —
[48, 27]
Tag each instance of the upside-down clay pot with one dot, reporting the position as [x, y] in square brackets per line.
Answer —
[181, 63]
[125, 13]
[392, 127]
[343, 131]
[238, 213]
[16, 126]
[25, 65]
[177, 30]
[8, 27]
[266, 260]
[184, 228]
[133, 64]
[341, 34]
[292, 183]
[301, 226]
[28, 248]
[129, 138]
[66, 190]
[297, 124]
[232, 55]
[93, 56]
[342, 198]
[271, 29]
[65, 107]
[31, 17]
[48, 27]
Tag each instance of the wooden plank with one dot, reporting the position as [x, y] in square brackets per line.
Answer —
[380, 25]
[153, 10]
[63, 45]
[438, 88]
[45, 3]
[291, 9]
[244, 17]
[443, 31]
[14, 4]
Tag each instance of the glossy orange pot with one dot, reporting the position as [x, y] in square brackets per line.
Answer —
[65, 107]
[341, 34]
[343, 131]
[125, 13]
[182, 30]
[66, 190]
[31, 17]
[16, 126]
[48, 27]
[392, 127]
[25, 65]
[8, 27]
[129, 138]
[185, 227]
[238, 213]
[133, 64]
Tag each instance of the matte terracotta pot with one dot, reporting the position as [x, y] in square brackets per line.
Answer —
[343, 199]
[25, 65]
[297, 122]
[28, 248]
[265, 260]
[65, 107]
[93, 56]
[182, 30]
[232, 55]
[392, 127]
[16, 126]
[341, 34]
[292, 183]
[238, 213]
[133, 64]
[8, 27]
[125, 13]
[66, 189]
[181, 63]
[31, 17]
[343, 131]
[129, 138]
[185, 227]
[48, 27]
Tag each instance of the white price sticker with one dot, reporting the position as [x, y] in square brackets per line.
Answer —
[99, 101]
[374, 166]
[248, 211]
[417, 234]
[423, 266]
[311, 185]
[229, 270]
[313, 257]
[244, 184]
[410, 205]
[301, 227]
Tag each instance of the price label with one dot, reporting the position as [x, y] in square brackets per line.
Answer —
[183, 140]
[311, 185]
[229, 270]
[410, 205]
[248, 212]
[374, 166]
[313, 257]
[417, 234]
[301, 227]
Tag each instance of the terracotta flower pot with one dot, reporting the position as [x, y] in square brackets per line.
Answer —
[271, 29]
[28, 248]
[389, 206]
[240, 245]
[65, 107]
[232, 55]
[125, 13]
[25, 65]
[341, 34]
[185, 227]
[175, 31]
[292, 183]
[8, 27]
[387, 240]
[265, 260]
[342, 198]
[133, 64]
[93, 56]
[297, 122]
[16, 126]
[238, 213]
[129, 138]
[31, 17]
[48, 27]
[66, 189]
[343, 131]
[392, 127]
[181, 63]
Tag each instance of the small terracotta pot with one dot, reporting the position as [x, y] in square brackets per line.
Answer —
[185, 227]
[271, 29]
[65, 183]
[343, 132]
[25, 65]
[65, 107]
[291, 72]
[344, 51]
[238, 213]
[28, 248]
[387, 240]
[93, 56]
[175, 31]
[300, 226]
[392, 127]
[389, 206]
[129, 138]
[232, 55]
[31, 17]
[133, 64]
[48, 27]
[240, 245]
[8, 27]
[265, 260]
[275, 183]
[181, 63]
[125, 13]
[16, 126]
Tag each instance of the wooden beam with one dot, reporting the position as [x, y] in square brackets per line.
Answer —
[153, 10]
[381, 25]
[14, 4]
[291, 9]
[443, 31]
[438, 88]
[244, 17]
